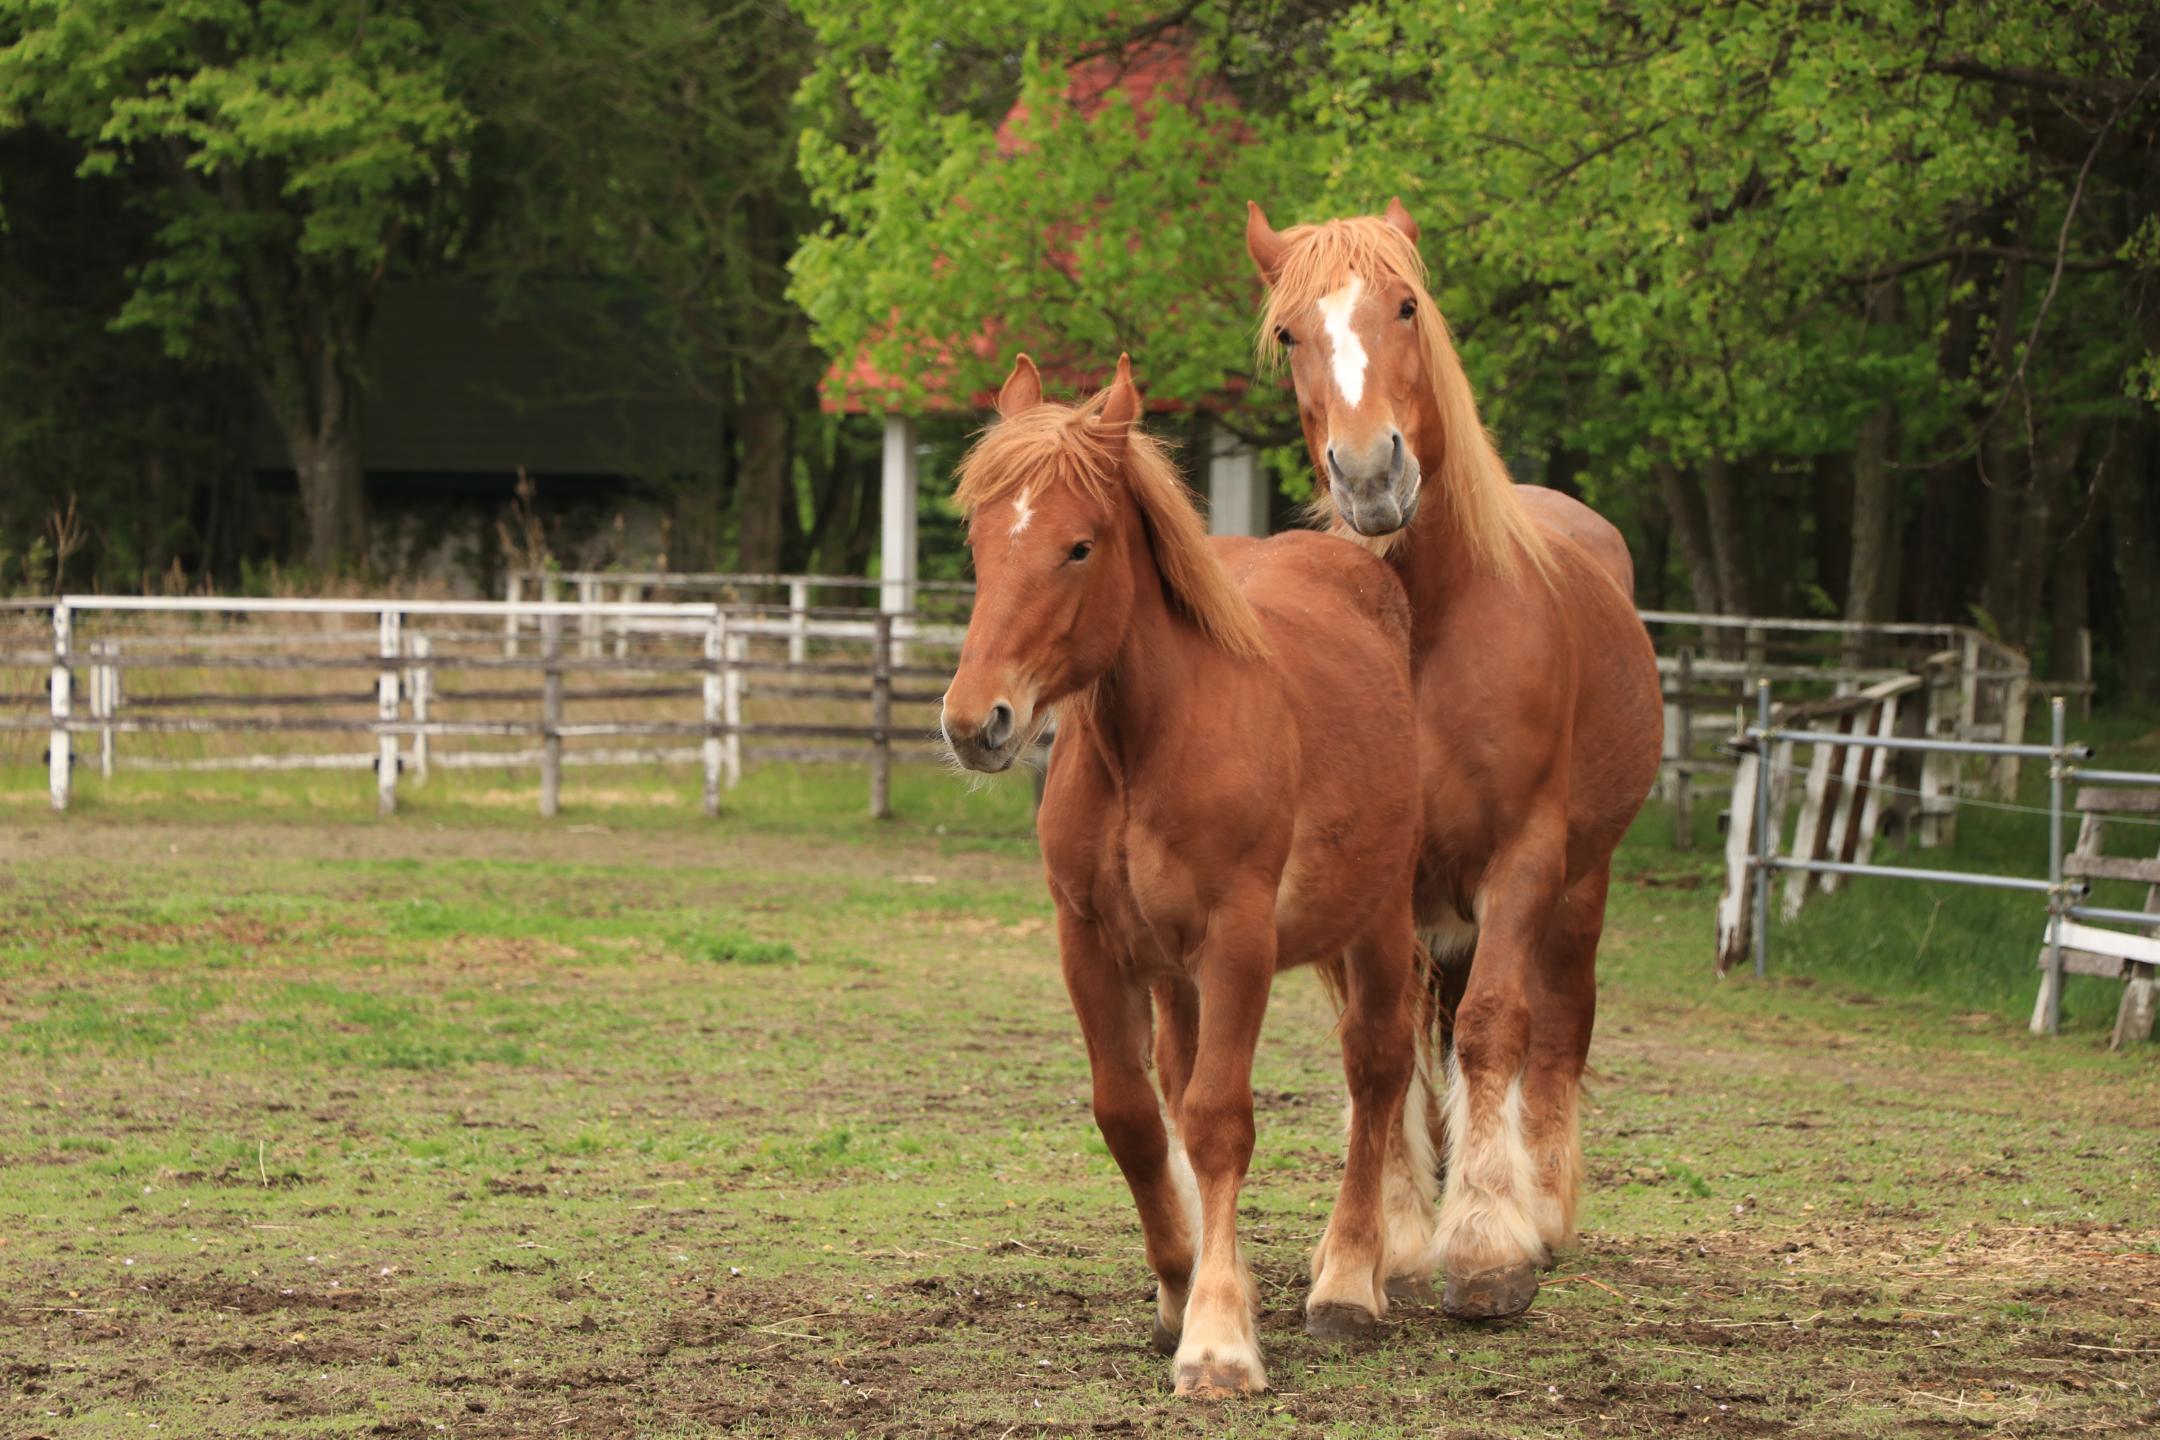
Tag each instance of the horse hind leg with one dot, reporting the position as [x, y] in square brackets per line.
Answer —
[1351, 1264]
[1490, 1236]
[1416, 1164]
[1563, 1008]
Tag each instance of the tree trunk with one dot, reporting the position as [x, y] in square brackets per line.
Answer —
[2134, 516]
[1656, 554]
[333, 499]
[764, 485]
[2071, 586]
[1832, 494]
[1728, 536]
[1871, 584]
[1683, 503]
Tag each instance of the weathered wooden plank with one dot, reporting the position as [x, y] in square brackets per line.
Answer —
[2077, 961]
[2142, 948]
[1735, 921]
[2141, 998]
[2122, 800]
[2112, 867]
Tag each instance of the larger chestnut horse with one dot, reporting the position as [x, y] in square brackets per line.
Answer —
[1539, 721]
[1229, 797]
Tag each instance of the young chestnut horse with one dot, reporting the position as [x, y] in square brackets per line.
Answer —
[1221, 805]
[1539, 722]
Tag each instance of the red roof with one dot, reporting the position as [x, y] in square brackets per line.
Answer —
[1162, 67]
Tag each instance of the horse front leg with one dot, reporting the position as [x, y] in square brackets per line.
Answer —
[1563, 1006]
[1113, 1012]
[1219, 1352]
[1352, 1263]
[1489, 1237]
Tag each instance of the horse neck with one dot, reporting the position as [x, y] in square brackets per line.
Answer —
[1161, 659]
[1435, 560]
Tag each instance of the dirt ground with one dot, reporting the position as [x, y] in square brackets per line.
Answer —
[413, 1130]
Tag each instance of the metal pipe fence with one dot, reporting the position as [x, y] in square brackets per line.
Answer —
[2064, 897]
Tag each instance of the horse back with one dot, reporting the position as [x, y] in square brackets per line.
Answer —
[1299, 570]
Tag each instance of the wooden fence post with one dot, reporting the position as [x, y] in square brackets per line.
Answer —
[798, 604]
[386, 714]
[737, 650]
[2016, 697]
[588, 594]
[422, 680]
[2084, 671]
[715, 650]
[104, 691]
[881, 664]
[629, 593]
[1682, 744]
[58, 755]
[551, 703]
[515, 594]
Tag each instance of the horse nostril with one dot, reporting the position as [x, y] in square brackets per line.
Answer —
[998, 728]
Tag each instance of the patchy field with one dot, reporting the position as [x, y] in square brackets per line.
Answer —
[473, 1127]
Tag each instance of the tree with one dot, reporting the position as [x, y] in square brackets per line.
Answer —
[1828, 301]
[636, 175]
[291, 154]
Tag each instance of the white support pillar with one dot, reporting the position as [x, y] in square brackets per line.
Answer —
[896, 520]
[1237, 494]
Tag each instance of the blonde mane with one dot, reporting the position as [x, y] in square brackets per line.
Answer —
[1473, 479]
[1063, 445]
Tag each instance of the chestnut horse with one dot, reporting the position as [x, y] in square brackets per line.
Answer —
[1222, 804]
[1539, 722]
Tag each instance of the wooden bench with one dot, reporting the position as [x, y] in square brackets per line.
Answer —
[2112, 954]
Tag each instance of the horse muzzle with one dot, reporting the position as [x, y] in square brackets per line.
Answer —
[988, 741]
[1377, 493]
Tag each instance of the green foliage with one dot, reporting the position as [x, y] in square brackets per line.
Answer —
[1070, 230]
[302, 130]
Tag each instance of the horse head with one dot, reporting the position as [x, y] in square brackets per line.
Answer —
[1052, 535]
[1347, 306]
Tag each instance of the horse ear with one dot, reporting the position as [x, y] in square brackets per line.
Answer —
[1123, 406]
[1262, 243]
[1398, 215]
[1022, 389]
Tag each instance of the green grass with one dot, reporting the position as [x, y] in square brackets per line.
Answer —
[641, 1123]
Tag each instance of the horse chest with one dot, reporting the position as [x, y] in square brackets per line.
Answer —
[1145, 899]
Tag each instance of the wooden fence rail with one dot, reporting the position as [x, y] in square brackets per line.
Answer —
[759, 641]
[402, 713]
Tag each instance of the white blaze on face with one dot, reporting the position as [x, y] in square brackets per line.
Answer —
[1022, 513]
[1348, 352]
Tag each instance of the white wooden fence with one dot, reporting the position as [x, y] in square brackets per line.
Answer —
[719, 655]
[766, 637]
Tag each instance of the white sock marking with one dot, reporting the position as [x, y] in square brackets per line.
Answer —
[1348, 350]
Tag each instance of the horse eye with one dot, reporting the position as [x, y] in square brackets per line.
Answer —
[1409, 308]
[1284, 338]
[1080, 551]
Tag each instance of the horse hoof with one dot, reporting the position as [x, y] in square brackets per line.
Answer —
[1166, 1339]
[1491, 1294]
[1334, 1321]
[1417, 1289]
[1216, 1380]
